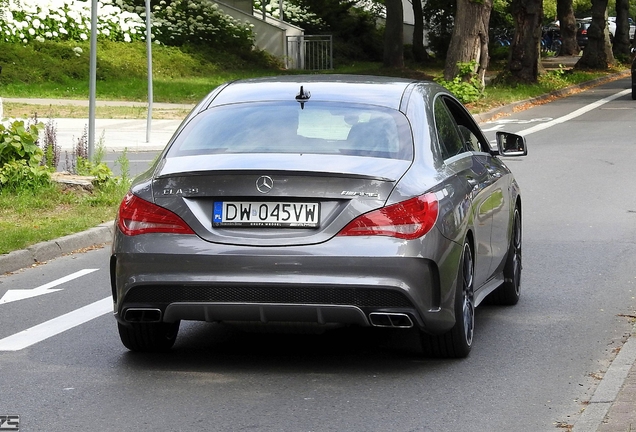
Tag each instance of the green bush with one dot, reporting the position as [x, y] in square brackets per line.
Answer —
[20, 157]
[179, 22]
[26, 21]
[465, 86]
[20, 175]
[19, 142]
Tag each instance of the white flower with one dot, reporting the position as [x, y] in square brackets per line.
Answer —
[36, 23]
[127, 37]
[48, 34]
[39, 38]
[83, 36]
[78, 51]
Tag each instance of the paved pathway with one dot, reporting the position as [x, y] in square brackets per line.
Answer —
[117, 133]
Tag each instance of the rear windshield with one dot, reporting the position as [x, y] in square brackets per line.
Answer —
[357, 130]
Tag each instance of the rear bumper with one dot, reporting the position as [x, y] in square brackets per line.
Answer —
[324, 284]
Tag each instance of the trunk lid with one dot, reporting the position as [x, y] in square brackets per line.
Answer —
[273, 199]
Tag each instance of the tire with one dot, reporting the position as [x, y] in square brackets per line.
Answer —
[148, 337]
[633, 92]
[457, 342]
[509, 292]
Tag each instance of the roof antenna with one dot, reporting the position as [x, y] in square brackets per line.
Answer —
[302, 97]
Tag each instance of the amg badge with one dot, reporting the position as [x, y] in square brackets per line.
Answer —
[363, 194]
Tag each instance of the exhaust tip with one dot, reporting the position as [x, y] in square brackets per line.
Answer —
[146, 315]
[394, 320]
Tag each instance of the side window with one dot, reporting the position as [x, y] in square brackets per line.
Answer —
[450, 141]
[472, 142]
[472, 137]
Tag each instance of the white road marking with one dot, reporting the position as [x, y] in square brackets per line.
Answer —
[15, 295]
[573, 114]
[56, 326]
[495, 127]
[501, 123]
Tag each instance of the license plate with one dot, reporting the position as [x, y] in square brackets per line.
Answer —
[266, 214]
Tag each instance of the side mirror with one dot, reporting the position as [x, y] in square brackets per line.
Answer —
[510, 144]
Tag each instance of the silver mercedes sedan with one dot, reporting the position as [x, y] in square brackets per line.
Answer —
[324, 201]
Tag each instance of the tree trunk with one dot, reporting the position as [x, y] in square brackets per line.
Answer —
[525, 50]
[394, 34]
[469, 41]
[419, 53]
[567, 24]
[598, 51]
[621, 46]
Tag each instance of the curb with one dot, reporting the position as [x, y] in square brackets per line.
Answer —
[41, 252]
[608, 390]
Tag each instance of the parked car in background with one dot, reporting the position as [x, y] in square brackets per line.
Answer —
[581, 31]
[321, 200]
[582, 26]
[612, 27]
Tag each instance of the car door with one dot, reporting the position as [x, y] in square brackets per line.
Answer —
[496, 205]
[473, 176]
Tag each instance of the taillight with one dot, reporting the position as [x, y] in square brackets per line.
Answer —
[408, 219]
[584, 32]
[138, 216]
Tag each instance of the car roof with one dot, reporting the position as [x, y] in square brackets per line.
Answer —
[364, 89]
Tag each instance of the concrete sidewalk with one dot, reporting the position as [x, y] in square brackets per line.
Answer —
[117, 133]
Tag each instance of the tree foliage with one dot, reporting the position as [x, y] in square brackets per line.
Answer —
[439, 24]
[355, 33]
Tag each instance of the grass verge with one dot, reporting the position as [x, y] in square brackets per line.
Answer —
[22, 110]
[29, 217]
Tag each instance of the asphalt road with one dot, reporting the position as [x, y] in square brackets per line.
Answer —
[532, 367]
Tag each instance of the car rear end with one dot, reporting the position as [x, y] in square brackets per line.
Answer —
[287, 211]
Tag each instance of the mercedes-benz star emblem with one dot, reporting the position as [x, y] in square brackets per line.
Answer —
[264, 184]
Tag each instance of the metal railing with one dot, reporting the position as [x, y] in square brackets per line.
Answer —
[310, 52]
